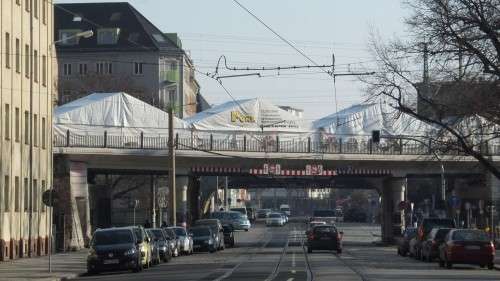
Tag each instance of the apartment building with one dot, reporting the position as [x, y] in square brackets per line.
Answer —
[26, 102]
[127, 53]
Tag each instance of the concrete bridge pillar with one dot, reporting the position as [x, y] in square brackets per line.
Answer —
[182, 183]
[493, 184]
[393, 192]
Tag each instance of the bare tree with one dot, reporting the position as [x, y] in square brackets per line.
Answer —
[458, 89]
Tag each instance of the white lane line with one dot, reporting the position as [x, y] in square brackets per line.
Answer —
[293, 259]
[290, 279]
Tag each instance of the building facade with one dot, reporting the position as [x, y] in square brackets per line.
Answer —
[127, 53]
[26, 98]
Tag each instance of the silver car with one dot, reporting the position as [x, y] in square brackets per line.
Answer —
[235, 219]
[275, 219]
[185, 240]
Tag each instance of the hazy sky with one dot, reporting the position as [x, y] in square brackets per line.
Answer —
[209, 29]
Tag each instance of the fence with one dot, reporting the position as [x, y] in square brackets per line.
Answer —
[312, 144]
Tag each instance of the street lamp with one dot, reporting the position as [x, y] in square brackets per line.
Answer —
[84, 34]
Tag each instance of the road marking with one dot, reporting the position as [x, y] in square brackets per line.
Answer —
[293, 271]
[293, 259]
[290, 279]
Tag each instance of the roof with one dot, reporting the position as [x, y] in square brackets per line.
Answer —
[136, 33]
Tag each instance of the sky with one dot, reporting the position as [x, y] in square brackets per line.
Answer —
[319, 28]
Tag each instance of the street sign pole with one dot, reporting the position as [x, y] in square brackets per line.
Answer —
[50, 211]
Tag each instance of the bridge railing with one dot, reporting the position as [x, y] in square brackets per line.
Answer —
[310, 144]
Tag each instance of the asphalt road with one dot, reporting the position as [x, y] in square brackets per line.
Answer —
[276, 254]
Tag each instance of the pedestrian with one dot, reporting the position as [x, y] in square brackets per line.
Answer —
[147, 224]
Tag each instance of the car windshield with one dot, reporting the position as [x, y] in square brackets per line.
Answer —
[205, 222]
[170, 233]
[275, 215]
[217, 215]
[180, 231]
[437, 223]
[241, 210]
[111, 237]
[139, 234]
[235, 216]
[157, 233]
[470, 235]
[324, 229]
[324, 213]
[202, 231]
[411, 232]
[285, 209]
[441, 233]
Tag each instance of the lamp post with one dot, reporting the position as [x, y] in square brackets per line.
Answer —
[84, 34]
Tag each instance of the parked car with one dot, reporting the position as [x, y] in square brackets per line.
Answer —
[228, 235]
[285, 217]
[175, 244]
[275, 219]
[404, 243]
[413, 250]
[324, 237]
[312, 224]
[112, 249]
[328, 216]
[262, 213]
[185, 241]
[236, 219]
[285, 208]
[425, 228]
[467, 246]
[144, 243]
[164, 246]
[217, 231]
[155, 247]
[430, 247]
[203, 238]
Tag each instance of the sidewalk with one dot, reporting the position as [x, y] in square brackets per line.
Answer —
[64, 266]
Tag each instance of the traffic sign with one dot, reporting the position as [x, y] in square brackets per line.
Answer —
[455, 202]
[50, 197]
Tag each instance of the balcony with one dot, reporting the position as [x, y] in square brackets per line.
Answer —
[170, 76]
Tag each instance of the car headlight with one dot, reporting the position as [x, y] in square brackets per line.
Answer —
[130, 252]
[210, 241]
[92, 254]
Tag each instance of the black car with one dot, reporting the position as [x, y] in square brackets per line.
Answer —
[203, 239]
[228, 231]
[324, 237]
[404, 241]
[113, 249]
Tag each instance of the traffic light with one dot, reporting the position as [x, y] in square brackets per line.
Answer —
[376, 136]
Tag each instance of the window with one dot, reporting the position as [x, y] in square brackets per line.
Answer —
[27, 5]
[67, 69]
[35, 8]
[18, 55]
[35, 65]
[138, 68]
[26, 194]
[107, 36]
[43, 191]
[68, 37]
[27, 60]
[26, 127]
[115, 16]
[7, 122]
[44, 70]
[17, 130]
[173, 66]
[6, 194]
[82, 69]
[35, 130]
[17, 192]
[35, 196]
[66, 96]
[43, 133]
[104, 68]
[44, 11]
[7, 50]
[171, 96]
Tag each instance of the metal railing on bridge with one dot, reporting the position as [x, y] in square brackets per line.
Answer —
[346, 144]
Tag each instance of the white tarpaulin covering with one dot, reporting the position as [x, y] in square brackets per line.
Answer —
[250, 115]
[362, 119]
[115, 113]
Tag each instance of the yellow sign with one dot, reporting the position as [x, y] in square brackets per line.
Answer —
[243, 118]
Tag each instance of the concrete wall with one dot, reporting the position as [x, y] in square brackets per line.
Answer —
[18, 185]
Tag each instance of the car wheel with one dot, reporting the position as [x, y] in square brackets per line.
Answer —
[441, 263]
[481, 265]
[91, 271]
[309, 250]
[428, 258]
[399, 252]
[339, 251]
[491, 266]
[403, 254]
[449, 265]
[246, 230]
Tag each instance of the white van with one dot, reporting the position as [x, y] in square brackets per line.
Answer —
[285, 209]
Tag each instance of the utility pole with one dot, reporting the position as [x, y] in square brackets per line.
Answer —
[226, 196]
[171, 166]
